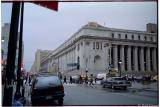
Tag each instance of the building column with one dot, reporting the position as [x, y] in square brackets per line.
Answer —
[135, 58]
[142, 58]
[148, 62]
[129, 58]
[154, 59]
[122, 58]
[115, 52]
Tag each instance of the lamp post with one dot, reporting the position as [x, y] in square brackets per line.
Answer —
[120, 62]
[3, 39]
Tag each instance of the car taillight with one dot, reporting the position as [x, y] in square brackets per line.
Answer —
[62, 87]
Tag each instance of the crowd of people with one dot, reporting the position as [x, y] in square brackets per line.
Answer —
[80, 80]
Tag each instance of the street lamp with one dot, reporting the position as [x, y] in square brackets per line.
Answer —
[120, 62]
[2, 39]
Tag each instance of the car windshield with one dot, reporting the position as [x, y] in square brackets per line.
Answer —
[47, 81]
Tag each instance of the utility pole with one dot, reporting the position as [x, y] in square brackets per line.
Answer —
[12, 46]
[20, 51]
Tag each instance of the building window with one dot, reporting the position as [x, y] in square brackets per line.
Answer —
[112, 35]
[145, 38]
[125, 36]
[93, 45]
[78, 47]
[139, 37]
[97, 45]
[151, 38]
[132, 37]
[119, 36]
[87, 42]
[81, 43]
[101, 46]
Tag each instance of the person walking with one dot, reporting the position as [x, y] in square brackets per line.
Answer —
[29, 80]
[91, 80]
[70, 79]
[65, 80]
[86, 79]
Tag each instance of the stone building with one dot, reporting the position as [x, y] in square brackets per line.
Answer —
[97, 48]
[4, 45]
[39, 55]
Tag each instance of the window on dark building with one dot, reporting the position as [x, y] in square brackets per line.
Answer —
[93, 45]
[112, 35]
[101, 46]
[145, 38]
[119, 36]
[151, 38]
[81, 43]
[125, 36]
[132, 37]
[78, 47]
[139, 37]
[97, 45]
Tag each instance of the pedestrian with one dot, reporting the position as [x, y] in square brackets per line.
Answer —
[70, 79]
[80, 79]
[65, 80]
[26, 78]
[91, 80]
[29, 80]
[86, 79]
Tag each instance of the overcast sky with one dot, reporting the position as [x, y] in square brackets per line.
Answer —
[47, 29]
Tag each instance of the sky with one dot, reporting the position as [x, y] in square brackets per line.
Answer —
[47, 29]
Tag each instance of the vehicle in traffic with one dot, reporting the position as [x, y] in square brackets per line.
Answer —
[116, 82]
[75, 79]
[101, 76]
[47, 87]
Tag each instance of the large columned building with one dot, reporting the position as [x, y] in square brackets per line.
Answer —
[97, 48]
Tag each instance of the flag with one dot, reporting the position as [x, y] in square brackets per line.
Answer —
[53, 5]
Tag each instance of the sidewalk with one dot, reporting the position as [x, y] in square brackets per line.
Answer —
[26, 94]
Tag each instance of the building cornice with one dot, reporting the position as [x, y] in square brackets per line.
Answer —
[107, 39]
[119, 30]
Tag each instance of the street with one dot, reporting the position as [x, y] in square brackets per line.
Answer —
[88, 95]
[78, 94]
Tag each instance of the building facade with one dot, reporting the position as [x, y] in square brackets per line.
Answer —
[39, 55]
[4, 43]
[96, 49]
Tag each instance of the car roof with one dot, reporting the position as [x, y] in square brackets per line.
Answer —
[115, 77]
[46, 74]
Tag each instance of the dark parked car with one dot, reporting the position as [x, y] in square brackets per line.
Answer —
[116, 82]
[47, 87]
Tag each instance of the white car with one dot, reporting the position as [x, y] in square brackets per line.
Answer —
[116, 82]
[101, 76]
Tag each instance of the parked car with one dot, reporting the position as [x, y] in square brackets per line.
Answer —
[47, 87]
[116, 82]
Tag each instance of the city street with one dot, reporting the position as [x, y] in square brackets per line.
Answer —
[89, 95]
[78, 94]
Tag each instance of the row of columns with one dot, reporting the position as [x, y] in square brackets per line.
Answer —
[136, 58]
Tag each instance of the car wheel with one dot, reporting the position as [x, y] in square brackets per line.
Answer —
[60, 101]
[104, 86]
[113, 87]
[124, 87]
